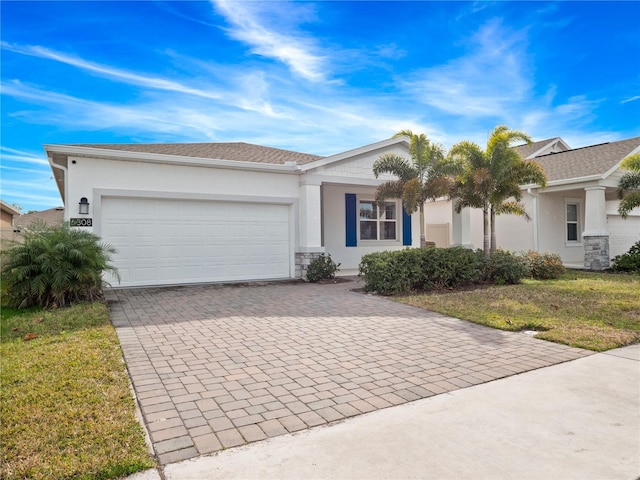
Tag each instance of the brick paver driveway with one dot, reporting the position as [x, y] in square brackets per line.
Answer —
[218, 366]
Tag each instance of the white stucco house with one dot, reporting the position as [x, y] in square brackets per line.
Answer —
[576, 215]
[210, 212]
[218, 212]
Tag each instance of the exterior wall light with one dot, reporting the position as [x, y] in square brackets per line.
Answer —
[83, 206]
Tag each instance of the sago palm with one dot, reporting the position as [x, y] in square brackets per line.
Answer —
[55, 266]
[422, 177]
[629, 187]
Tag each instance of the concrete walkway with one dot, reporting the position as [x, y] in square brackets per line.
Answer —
[577, 420]
[216, 367]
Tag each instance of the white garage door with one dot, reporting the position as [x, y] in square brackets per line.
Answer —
[188, 241]
[622, 233]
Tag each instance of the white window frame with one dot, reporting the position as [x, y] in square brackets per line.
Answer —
[578, 222]
[379, 221]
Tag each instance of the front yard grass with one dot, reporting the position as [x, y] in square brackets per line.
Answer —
[66, 408]
[595, 311]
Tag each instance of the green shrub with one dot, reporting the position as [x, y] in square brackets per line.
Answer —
[322, 268]
[543, 266]
[628, 262]
[503, 267]
[449, 267]
[390, 272]
[400, 271]
[54, 267]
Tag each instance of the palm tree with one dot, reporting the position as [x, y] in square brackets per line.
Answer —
[491, 179]
[629, 188]
[421, 178]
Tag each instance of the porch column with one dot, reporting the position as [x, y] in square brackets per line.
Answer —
[310, 222]
[461, 227]
[596, 234]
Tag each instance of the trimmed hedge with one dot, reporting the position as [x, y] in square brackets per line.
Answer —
[503, 267]
[400, 271]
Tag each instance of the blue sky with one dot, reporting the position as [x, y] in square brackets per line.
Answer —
[316, 77]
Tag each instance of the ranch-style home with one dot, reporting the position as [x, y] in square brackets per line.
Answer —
[214, 212]
[211, 212]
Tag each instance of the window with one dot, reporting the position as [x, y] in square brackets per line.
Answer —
[572, 220]
[378, 222]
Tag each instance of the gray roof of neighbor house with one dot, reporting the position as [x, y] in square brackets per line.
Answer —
[52, 216]
[586, 161]
[238, 151]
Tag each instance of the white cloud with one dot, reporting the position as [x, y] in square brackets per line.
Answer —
[110, 72]
[270, 30]
[631, 99]
[485, 83]
[13, 155]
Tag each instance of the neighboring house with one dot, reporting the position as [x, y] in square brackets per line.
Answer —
[7, 212]
[188, 213]
[576, 215]
[51, 217]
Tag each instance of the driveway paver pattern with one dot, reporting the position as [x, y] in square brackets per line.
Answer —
[215, 367]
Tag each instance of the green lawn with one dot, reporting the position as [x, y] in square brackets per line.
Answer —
[66, 407]
[596, 311]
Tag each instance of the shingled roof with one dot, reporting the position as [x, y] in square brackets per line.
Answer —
[52, 217]
[586, 161]
[526, 150]
[238, 151]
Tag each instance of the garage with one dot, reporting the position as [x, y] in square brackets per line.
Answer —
[176, 241]
[622, 233]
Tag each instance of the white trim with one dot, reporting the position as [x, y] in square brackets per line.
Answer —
[579, 222]
[65, 188]
[551, 144]
[13, 211]
[353, 153]
[342, 180]
[617, 165]
[80, 152]
[397, 220]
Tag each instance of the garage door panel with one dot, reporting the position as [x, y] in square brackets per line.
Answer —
[183, 241]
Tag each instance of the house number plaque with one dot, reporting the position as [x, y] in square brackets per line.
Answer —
[81, 222]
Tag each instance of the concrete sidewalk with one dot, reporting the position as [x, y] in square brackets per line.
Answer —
[579, 419]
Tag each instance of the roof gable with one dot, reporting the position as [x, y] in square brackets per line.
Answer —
[541, 147]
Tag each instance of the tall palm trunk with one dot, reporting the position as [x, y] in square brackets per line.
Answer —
[493, 230]
[423, 238]
[485, 221]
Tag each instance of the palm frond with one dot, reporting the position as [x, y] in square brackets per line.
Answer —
[628, 203]
[632, 163]
[390, 189]
[395, 165]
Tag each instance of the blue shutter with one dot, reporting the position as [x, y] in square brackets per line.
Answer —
[406, 228]
[351, 216]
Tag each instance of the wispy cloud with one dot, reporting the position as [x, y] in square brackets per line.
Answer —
[271, 30]
[13, 155]
[110, 72]
[631, 99]
[484, 83]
